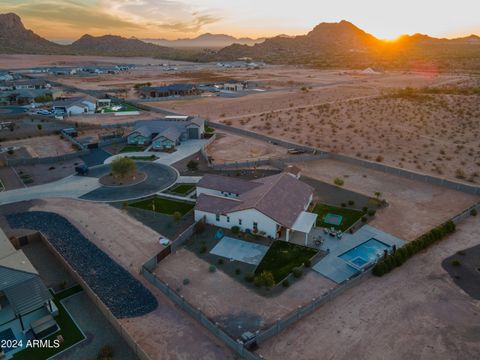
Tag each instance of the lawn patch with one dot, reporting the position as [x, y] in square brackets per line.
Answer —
[68, 329]
[133, 148]
[282, 258]
[349, 216]
[182, 189]
[163, 205]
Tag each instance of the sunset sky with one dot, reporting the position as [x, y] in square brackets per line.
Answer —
[171, 19]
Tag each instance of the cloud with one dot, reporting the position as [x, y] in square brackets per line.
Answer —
[63, 18]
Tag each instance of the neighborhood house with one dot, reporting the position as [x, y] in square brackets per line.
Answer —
[75, 105]
[169, 90]
[167, 133]
[26, 304]
[274, 206]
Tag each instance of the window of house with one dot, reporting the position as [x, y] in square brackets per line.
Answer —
[239, 221]
[228, 218]
[255, 225]
[217, 217]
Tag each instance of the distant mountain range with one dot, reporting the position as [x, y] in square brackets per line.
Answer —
[212, 41]
[15, 39]
[328, 45]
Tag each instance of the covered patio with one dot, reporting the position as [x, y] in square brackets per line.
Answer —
[301, 229]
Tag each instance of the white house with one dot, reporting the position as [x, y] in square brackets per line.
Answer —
[75, 105]
[273, 206]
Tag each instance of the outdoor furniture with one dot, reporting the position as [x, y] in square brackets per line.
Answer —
[44, 326]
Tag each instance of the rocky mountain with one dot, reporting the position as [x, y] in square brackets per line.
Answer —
[334, 45]
[14, 38]
[212, 41]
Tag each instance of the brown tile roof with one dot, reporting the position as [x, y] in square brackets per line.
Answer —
[281, 197]
[215, 204]
[226, 183]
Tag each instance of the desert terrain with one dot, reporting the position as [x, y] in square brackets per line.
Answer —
[43, 146]
[414, 207]
[415, 312]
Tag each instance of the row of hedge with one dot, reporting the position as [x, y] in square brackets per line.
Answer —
[405, 252]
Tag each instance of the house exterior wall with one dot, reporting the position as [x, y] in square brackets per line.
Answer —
[76, 110]
[135, 139]
[163, 143]
[247, 217]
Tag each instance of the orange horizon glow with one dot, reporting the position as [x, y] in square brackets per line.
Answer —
[173, 19]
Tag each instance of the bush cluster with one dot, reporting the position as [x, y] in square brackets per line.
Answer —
[401, 255]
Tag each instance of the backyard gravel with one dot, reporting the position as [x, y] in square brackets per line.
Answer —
[119, 290]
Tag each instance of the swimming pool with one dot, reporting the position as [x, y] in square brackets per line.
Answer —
[364, 254]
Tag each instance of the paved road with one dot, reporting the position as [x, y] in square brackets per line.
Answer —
[69, 187]
[159, 177]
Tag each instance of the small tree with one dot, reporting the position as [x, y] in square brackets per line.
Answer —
[192, 165]
[39, 127]
[177, 215]
[122, 166]
[338, 181]
[377, 194]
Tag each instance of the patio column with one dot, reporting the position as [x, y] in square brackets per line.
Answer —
[306, 239]
[287, 235]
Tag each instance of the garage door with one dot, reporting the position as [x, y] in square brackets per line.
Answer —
[193, 133]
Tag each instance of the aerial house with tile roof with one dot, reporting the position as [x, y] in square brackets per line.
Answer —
[274, 206]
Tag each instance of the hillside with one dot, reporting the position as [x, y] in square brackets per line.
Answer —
[212, 41]
[16, 39]
[333, 45]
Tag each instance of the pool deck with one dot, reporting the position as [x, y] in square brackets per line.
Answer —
[337, 269]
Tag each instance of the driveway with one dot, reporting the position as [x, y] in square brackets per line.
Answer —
[184, 150]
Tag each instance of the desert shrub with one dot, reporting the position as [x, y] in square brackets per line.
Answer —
[371, 213]
[238, 271]
[297, 272]
[177, 215]
[192, 165]
[220, 261]
[343, 205]
[307, 263]
[203, 249]
[186, 281]
[286, 283]
[249, 277]
[338, 181]
[265, 278]
[105, 353]
[235, 229]
[212, 268]
[473, 212]
[364, 219]
[351, 202]
[456, 262]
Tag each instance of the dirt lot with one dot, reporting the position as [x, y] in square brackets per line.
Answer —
[102, 119]
[415, 312]
[43, 146]
[167, 332]
[437, 134]
[230, 303]
[229, 147]
[414, 207]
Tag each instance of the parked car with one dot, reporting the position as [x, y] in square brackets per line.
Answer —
[82, 170]
[44, 112]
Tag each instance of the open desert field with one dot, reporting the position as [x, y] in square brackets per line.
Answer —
[229, 147]
[43, 146]
[414, 207]
[415, 312]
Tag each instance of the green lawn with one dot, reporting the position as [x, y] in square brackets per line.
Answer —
[282, 258]
[125, 107]
[350, 216]
[143, 158]
[68, 329]
[163, 205]
[132, 148]
[183, 189]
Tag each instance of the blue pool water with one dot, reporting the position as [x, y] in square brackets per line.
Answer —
[365, 253]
